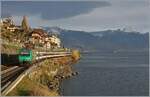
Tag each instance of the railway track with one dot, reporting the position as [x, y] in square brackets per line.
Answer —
[10, 77]
[3, 67]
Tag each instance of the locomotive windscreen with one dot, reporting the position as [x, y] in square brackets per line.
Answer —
[25, 52]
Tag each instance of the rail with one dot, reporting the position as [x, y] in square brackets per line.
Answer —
[9, 75]
[51, 56]
[9, 69]
[52, 53]
[12, 76]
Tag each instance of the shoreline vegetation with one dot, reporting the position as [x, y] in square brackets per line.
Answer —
[45, 80]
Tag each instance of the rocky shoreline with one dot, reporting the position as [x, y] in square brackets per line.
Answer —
[52, 72]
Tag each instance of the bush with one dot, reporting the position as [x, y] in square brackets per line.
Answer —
[75, 55]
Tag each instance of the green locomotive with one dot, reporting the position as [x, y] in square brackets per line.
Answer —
[25, 55]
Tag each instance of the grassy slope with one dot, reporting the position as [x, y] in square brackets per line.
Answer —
[30, 88]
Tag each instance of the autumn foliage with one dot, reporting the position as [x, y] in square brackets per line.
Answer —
[75, 55]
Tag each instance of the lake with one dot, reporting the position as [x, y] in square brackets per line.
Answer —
[110, 74]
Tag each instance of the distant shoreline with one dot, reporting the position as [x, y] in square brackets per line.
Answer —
[114, 51]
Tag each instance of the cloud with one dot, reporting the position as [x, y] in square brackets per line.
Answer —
[50, 10]
[91, 16]
[121, 14]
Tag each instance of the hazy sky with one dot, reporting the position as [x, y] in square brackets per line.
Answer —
[82, 15]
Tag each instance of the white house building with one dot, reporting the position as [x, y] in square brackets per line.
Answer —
[55, 41]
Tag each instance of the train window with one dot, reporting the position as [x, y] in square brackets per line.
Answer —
[25, 52]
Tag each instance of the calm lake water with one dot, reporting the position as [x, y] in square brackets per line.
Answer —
[110, 74]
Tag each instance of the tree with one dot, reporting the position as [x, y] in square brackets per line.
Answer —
[25, 24]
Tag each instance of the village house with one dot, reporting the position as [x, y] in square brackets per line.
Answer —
[47, 43]
[9, 25]
[13, 28]
[55, 41]
[39, 37]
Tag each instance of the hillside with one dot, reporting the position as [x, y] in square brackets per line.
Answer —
[108, 40]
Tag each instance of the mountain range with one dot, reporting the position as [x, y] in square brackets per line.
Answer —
[108, 40]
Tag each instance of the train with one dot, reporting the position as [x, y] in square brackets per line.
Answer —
[28, 55]
[25, 55]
